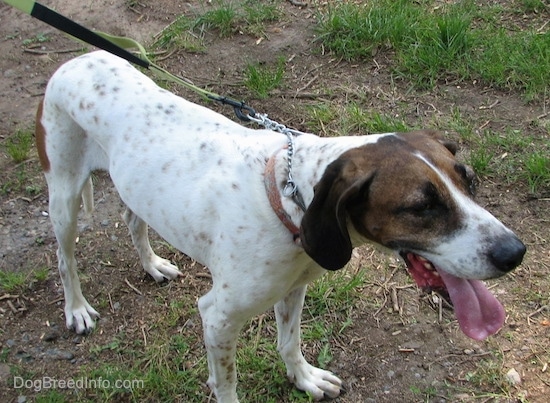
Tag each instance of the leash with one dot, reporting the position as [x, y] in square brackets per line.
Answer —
[118, 46]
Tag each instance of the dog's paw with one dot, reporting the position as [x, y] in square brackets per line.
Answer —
[161, 269]
[318, 382]
[82, 318]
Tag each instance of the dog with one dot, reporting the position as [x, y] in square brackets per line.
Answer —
[215, 190]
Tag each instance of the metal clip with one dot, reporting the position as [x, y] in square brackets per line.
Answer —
[290, 189]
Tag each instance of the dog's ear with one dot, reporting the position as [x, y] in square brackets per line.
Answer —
[323, 232]
[448, 144]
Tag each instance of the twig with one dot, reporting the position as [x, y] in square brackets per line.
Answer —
[543, 25]
[12, 307]
[132, 287]
[144, 336]
[542, 380]
[395, 302]
[49, 52]
[490, 106]
[8, 296]
[111, 303]
[443, 357]
[308, 83]
[542, 308]
[56, 300]
[298, 3]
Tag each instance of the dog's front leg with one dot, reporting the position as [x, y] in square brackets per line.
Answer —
[318, 382]
[221, 330]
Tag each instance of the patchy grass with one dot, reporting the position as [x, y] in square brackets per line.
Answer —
[433, 44]
[18, 146]
[17, 281]
[228, 17]
[261, 79]
[180, 35]
[336, 120]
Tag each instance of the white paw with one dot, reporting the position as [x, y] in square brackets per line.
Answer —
[161, 269]
[318, 382]
[81, 317]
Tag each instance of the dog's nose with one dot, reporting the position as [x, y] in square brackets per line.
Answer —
[507, 253]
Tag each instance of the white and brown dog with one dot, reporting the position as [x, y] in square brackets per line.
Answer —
[199, 179]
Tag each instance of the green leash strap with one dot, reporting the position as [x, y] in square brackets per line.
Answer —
[118, 46]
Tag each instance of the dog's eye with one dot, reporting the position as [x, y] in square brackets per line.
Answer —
[427, 205]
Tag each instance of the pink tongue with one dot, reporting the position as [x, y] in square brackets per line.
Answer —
[478, 312]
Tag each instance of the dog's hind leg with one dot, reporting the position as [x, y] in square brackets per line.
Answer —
[65, 196]
[160, 269]
[306, 377]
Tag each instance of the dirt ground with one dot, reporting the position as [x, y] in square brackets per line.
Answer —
[394, 349]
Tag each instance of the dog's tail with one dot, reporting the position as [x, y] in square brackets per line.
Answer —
[88, 196]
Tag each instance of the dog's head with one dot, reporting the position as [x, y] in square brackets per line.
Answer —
[408, 193]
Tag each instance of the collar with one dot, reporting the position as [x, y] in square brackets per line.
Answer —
[274, 196]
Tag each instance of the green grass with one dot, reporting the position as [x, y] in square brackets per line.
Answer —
[229, 17]
[12, 281]
[517, 60]
[179, 35]
[489, 372]
[360, 30]
[436, 44]
[39, 38]
[16, 281]
[358, 120]
[221, 18]
[261, 79]
[334, 120]
[18, 146]
[226, 18]
[533, 6]
[537, 171]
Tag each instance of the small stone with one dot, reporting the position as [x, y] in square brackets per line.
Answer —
[23, 356]
[57, 354]
[513, 376]
[51, 336]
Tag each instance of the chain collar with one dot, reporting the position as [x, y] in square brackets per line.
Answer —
[291, 189]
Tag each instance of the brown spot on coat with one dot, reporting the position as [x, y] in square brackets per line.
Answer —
[40, 134]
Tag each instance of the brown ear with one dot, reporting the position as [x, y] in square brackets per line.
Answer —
[449, 144]
[323, 232]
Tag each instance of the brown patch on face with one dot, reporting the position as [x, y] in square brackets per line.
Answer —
[40, 135]
[391, 196]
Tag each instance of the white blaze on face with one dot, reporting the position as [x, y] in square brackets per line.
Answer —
[463, 257]
[464, 253]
